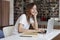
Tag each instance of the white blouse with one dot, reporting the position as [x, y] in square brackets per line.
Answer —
[23, 21]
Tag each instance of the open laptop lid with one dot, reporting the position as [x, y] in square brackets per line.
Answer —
[50, 25]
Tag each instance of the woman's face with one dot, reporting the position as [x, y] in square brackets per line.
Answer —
[34, 10]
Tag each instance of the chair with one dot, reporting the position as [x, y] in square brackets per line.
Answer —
[8, 30]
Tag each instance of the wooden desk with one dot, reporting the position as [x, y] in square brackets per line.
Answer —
[57, 37]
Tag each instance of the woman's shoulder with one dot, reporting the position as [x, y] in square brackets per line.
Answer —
[23, 15]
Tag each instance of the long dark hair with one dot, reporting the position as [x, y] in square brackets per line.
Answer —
[28, 11]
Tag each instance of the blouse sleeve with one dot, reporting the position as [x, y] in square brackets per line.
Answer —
[22, 19]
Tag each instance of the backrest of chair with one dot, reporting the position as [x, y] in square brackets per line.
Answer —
[50, 25]
[7, 31]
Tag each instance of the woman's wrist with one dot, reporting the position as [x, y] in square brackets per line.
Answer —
[35, 17]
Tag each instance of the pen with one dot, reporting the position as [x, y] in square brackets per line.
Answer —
[25, 36]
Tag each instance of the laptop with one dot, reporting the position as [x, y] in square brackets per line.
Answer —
[49, 29]
[50, 26]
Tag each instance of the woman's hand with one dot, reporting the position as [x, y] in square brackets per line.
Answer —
[41, 30]
[35, 14]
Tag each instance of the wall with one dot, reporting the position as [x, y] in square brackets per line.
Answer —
[5, 13]
[0, 11]
[11, 19]
[59, 8]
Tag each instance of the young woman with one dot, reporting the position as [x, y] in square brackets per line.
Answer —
[29, 18]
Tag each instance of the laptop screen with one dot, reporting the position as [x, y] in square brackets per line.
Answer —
[50, 25]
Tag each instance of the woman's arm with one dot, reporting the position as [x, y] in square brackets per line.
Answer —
[21, 29]
[35, 24]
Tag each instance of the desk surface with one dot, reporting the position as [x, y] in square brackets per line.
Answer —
[57, 37]
[49, 36]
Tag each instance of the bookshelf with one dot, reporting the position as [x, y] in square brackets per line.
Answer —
[19, 6]
[18, 9]
[47, 9]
